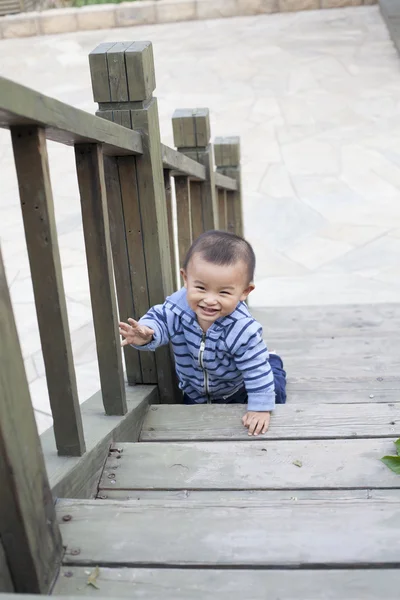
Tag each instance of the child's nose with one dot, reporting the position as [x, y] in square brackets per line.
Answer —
[210, 299]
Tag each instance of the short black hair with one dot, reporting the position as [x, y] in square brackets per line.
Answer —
[223, 248]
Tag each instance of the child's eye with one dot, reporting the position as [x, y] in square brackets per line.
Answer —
[225, 293]
[199, 287]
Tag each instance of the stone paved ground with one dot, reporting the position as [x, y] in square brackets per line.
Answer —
[315, 97]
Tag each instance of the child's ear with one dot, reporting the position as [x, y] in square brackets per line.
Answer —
[184, 277]
[247, 291]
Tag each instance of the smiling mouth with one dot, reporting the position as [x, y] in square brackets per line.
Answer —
[209, 311]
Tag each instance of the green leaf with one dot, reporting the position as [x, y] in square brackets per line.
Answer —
[297, 463]
[393, 462]
[397, 444]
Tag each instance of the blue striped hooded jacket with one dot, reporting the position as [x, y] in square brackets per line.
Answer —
[215, 364]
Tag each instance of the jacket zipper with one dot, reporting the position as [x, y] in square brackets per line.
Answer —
[201, 363]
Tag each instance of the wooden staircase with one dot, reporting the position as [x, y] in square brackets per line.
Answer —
[198, 509]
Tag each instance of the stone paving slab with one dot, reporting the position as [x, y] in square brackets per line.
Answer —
[315, 98]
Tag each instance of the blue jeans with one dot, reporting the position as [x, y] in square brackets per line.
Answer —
[240, 397]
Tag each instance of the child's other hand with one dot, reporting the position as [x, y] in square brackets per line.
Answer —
[136, 334]
[256, 422]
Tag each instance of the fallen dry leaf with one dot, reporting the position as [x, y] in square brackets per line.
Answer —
[92, 579]
[298, 463]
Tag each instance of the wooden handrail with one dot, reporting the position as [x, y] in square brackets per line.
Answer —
[20, 105]
[181, 164]
[225, 183]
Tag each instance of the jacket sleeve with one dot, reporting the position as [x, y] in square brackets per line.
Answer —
[251, 358]
[156, 319]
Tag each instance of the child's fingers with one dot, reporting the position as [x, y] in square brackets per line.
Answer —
[124, 343]
[124, 326]
[266, 425]
[133, 323]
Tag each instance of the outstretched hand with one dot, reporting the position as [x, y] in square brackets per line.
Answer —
[134, 333]
[256, 422]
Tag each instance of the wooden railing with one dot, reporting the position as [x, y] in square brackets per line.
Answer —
[124, 176]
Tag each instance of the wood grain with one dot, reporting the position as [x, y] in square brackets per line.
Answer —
[222, 210]
[260, 464]
[289, 422]
[32, 165]
[90, 171]
[6, 584]
[181, 164]
[227, 161]
[197, 209]
[184, 216]
[63, 123]
[224, 182]
[28, 529]
[194, 584]
[356, 534]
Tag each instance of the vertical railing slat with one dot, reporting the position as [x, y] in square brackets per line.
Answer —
[222, 209]
[184, 214]
[90, 170]
[170, 217]
[28, 527]
[30, 154]
[120, 257]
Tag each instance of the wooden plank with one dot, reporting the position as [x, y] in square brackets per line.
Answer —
[224, 182]
[191, 584]
[260, 464]
[241, 497]
[117, 72]
[340, 534]
[184, 217]
[79, 477]
[222, 209]
[6, 584]
[182, 164]
[197, 209]
[28, 529]
[136, 255]
[289, 422]
[322, 321]
[171, 229]
[90, 171]
[32, 165]
[65, 124]
[367, 394]
[122, 274]
[230, 212]
[98, 72]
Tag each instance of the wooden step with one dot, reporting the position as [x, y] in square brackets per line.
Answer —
[229, 584]
[362, 533]
[263, 464]
[289, 422]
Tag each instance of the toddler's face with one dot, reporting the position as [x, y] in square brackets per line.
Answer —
[214, 291]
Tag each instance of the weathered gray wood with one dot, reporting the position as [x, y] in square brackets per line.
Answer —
[28, 529]
[90, 171]
[289, 422]
[224, 182]
[122, 274]
[340, 320]
[222, 210]
[196, 209]
[6, 584]
[260, 464]
[227, 161]
[79, 477]
[171, 229]
[31, 161]
[181, 164]
[117, 72]
[137, 260]
[391, 15]
[241, 498]
[361, 533]
[139, 79]
[230, 211]
[338, 394]
[191, 584]
[192, 137]
[22, 106]
[184, 216]
[98, 72]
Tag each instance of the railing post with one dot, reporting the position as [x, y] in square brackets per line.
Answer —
[123, 81]
[227, 161]
[29, 532]
[31, 161]
[184, 215]
[192, 136]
